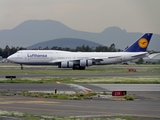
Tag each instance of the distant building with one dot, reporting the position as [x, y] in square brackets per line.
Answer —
[1, 58]
[154, 60]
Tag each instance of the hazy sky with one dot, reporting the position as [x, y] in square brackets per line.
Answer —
[85, 15]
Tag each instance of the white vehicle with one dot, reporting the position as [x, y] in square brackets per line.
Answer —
[81, 60]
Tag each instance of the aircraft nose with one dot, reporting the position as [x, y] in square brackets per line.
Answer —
[9, 58]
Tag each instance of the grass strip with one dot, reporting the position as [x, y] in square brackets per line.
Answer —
[89, 70]
[88, 80]
[26, 116]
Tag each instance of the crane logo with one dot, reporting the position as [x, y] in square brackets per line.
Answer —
[143, 43]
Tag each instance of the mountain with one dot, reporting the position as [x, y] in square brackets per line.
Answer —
[65, 42]
[34, 31]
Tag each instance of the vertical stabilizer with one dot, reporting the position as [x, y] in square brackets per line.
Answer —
[141, 44]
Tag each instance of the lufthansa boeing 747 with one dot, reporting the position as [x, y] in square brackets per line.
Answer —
[81, 60]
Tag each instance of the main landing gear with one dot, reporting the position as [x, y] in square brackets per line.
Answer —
[21, 66]
[77, 67]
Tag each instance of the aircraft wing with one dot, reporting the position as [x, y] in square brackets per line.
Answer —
[94, 59]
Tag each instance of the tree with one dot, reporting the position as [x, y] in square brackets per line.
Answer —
[6, 52]
[46, 48]
[140, 61]
[112, 48]
[101, 49]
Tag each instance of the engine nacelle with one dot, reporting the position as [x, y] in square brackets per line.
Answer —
[84, 63]
[66, 65]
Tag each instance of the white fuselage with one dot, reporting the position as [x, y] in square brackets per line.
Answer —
[53, 57]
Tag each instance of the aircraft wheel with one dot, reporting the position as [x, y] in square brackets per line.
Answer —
[82, 68]
[77, 67]
[21, 67]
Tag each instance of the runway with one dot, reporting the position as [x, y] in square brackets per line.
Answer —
[146, 104]
[79, 108]
[94, 87]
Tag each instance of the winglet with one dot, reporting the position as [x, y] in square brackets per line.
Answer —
[141, 44]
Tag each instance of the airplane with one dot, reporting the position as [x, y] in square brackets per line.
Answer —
[81, 60]
[77, 88]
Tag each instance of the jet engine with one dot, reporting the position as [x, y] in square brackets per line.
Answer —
[84, 63]
[66, 64]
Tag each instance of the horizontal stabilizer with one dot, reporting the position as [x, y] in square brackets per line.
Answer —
[139, 55]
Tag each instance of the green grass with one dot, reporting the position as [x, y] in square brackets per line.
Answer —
[60, 71]
[15, 69]
[129, 97]
[88, 80]
[78, 96]
[106, 69]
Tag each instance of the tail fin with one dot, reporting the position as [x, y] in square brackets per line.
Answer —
[141, 44]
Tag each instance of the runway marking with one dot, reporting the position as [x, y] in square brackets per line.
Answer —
[63, 104]
[79, 111]
[95, 101]
[113, 108]
[73, 106]
[53, 110]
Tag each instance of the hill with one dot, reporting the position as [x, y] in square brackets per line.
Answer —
[34, 31]
[65, 42]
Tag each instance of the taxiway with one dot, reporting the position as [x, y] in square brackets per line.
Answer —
[146, 103]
